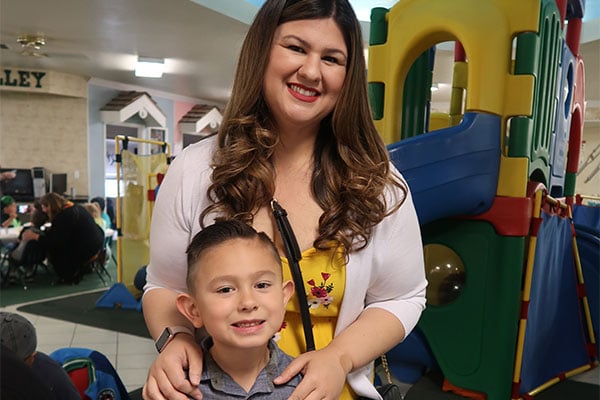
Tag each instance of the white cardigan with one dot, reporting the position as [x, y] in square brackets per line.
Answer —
[388, 273]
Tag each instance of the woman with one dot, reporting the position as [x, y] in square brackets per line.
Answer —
[72, 239]
[303, 135]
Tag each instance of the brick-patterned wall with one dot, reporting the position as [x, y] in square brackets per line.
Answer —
[45, 130]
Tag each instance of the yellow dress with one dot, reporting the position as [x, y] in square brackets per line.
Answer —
[324, 275]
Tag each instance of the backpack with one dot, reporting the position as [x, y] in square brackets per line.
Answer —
[92, 373]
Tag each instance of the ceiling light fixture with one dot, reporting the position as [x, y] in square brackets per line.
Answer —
[149, 67]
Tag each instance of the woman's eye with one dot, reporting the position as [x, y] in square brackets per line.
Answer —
[297, 49]
[332, 60]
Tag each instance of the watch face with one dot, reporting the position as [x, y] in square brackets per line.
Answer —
[163, 339]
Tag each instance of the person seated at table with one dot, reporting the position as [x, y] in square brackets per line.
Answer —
[102, 205]
[94, 210]
[72, 240]
[27, 252]
[10, 218]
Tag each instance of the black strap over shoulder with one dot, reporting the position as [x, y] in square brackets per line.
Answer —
[293, 254]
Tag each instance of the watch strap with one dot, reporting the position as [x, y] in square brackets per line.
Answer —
[180, 329]
[168, 334]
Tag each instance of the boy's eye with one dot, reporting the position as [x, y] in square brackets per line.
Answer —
[263, 285]
[225, 290]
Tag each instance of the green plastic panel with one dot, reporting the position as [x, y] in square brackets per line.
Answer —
[539, 54]
[473, 338]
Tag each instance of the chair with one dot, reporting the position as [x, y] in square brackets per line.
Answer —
[23, 271]
[98, 263]
[108, 240]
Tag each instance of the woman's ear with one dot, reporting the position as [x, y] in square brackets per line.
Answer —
[288, 291]
[187, 307]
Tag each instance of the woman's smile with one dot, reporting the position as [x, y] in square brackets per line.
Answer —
[302, 93]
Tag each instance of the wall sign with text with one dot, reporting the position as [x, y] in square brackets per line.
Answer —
[22, 78]
[26, 79]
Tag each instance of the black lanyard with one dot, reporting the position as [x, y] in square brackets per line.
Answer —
[292, 252]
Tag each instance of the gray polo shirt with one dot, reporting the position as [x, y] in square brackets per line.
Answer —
[216, 384]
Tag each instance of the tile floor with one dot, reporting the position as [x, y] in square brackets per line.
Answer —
[130, 355]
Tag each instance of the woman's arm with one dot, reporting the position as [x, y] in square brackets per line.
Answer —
[325, 370]
[167, 375]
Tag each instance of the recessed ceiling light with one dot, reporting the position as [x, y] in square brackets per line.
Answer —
[149, 67]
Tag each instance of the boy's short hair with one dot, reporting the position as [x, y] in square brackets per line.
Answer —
[18, 334]
[220, 232]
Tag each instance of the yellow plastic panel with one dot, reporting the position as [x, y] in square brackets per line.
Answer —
[485, 29]
[513, 176]
[438, 120]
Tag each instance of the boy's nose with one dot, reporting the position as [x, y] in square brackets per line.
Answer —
[248, 302]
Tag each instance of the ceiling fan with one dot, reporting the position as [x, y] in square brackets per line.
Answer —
[36, 45]
[32, 44]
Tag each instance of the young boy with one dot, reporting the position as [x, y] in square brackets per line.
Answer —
[9, 218]
[237, 293]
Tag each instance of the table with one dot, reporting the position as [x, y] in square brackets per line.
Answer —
[9, 235]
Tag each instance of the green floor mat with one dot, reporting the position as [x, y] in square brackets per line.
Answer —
[81, 309]
[43, 286]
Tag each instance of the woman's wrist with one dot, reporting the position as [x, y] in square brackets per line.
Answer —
[169, 334]
[344, 359]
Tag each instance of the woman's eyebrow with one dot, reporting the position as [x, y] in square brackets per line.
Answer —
[305, 43]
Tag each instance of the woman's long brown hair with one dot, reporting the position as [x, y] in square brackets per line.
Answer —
[351, 164]
[54, 204]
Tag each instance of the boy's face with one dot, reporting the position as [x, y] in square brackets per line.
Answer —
[239, 294]
[11, 209]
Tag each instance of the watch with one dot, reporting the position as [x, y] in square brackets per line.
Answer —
[168, 334]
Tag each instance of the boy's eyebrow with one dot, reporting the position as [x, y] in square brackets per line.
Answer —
[255, 275]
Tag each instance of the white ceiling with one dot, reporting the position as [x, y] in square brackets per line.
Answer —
[199, 40]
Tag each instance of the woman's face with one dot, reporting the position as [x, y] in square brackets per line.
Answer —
[305, 73]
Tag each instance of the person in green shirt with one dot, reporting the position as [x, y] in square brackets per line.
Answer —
[10, 217]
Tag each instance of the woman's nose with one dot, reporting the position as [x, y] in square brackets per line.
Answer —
[310, 70]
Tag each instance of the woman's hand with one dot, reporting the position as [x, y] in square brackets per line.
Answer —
[29, 235]
[324, 374]
[167, 376]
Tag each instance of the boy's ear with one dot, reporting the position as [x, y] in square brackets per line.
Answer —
[288, 291]
[187, 307]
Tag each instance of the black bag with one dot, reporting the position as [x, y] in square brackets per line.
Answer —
[389, 391]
